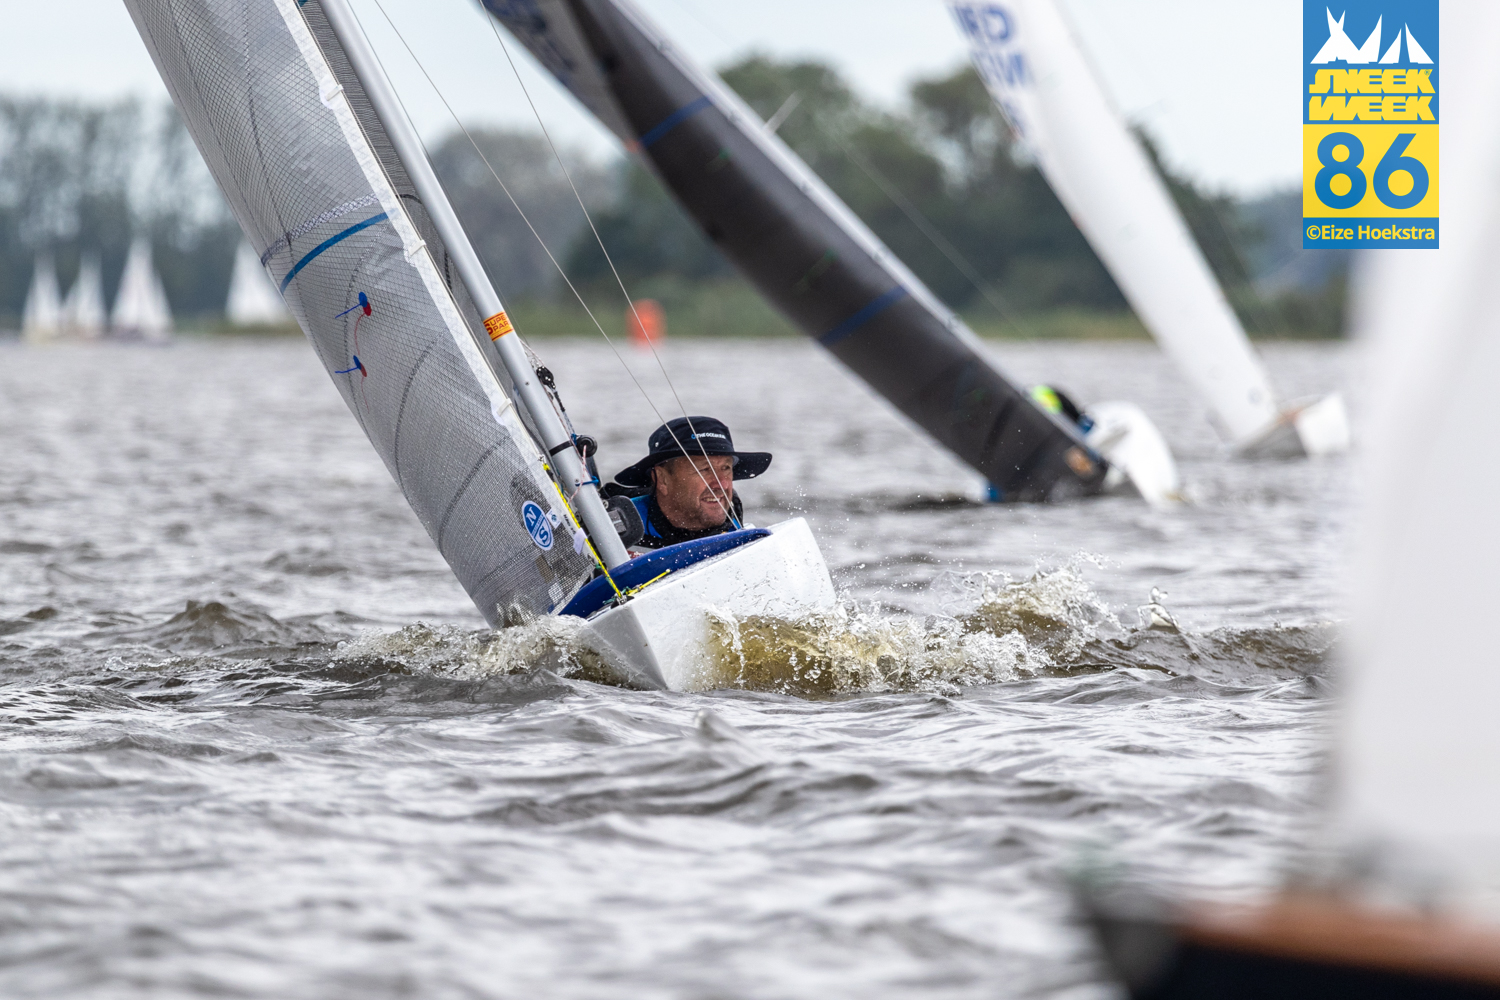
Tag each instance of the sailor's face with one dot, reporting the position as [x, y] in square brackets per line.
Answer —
[694, 493]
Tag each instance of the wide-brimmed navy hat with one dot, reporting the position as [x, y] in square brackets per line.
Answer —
[693, 436]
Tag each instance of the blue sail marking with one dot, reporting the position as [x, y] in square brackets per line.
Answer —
[859, 319]
[675, 119]
[335, 238]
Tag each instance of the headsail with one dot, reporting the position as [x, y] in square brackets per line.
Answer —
[1043, 84]
[307, 167]
[802, 247]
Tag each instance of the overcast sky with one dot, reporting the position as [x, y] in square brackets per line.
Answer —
[1216, 85]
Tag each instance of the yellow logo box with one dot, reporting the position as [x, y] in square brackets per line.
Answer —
[1392, 166]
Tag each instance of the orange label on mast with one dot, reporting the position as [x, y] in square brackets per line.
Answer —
[498, 325]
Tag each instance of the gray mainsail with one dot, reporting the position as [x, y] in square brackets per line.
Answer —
[310, 172]
[800, 244]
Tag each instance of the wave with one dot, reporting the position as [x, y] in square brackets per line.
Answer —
[1050, 623]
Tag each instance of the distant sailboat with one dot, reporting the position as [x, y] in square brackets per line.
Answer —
[1043, 84]
[141, 308]
[253, 299]
[42, 319]
[83, 309]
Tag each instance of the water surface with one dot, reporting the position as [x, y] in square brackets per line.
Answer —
[257, 743]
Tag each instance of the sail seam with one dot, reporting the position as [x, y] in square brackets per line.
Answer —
[313, 223]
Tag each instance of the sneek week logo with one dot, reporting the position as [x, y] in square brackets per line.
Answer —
[1370, 123]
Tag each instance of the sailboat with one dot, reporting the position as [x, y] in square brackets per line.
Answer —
[1044, 85]
[1407, 901]
[813, 258]
[83, 310]
[141, 310]
[296, 120]
[42, 319]
[253, 300]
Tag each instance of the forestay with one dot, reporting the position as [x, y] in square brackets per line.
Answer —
[285, 127]
[1043, 84]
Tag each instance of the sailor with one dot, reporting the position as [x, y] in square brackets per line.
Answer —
[684, 488]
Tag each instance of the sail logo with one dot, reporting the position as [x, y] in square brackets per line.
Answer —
[991, 31]
[538, 526]
[1370, 120]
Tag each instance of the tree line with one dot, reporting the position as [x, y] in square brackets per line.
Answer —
[77, 178]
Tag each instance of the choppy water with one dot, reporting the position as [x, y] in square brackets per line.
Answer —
[256, 744]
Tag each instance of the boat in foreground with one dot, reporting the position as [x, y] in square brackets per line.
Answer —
[294, 116]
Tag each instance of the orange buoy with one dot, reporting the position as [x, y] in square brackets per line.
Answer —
[646, 323]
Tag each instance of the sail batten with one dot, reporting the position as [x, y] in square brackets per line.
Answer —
[282, 121]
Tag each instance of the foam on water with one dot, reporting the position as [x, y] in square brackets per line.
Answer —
[999, 630]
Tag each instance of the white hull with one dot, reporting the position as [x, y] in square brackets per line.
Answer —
[1307, 430]
[660, 638]
[1138, 456]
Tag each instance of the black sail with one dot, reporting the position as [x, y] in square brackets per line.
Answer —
[800, 245]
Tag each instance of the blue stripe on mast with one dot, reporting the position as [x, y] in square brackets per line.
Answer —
[675, 119]
[864, 316]
[336, 238]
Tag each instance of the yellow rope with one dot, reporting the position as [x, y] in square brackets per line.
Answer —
[636, 590]
[588, 542]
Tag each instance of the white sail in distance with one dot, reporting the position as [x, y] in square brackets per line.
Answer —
[1418, 766]
[42, 319]
[1042, 82]
[253, 300]
[141, 308]
[83, 309]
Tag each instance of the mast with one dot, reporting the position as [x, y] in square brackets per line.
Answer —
[505, 344]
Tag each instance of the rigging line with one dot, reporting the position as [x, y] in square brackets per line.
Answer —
[543, 243]
[934, 236]
[703, 449]
[524, 218]
[1273, 320]
[495, 28]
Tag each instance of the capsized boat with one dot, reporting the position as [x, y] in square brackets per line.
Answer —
[1401, 896]
[1042, 82]
[806, 252]
[304, 134]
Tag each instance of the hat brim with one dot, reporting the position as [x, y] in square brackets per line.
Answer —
[747, 465]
